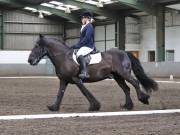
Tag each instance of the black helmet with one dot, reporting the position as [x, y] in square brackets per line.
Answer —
[86, 14]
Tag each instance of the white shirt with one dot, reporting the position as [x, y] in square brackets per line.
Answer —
[82, 27]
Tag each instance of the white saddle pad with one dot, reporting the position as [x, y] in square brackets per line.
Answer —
[95, 58]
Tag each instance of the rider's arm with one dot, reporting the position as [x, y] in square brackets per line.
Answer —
[77, 46]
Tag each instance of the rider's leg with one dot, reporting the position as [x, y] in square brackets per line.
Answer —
[83, 51]
[83, 67]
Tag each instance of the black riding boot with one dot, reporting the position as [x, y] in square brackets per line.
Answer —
[83, 68]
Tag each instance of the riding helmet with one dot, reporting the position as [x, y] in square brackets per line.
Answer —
[86, 14]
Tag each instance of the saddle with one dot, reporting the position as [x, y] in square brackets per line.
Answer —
[93, 58]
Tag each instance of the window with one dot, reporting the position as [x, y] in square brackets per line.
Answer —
[169, 55]
[151, 56]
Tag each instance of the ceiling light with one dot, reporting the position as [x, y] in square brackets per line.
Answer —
[106, 0]
[61, 8]
[101, 17]
[40, 15]
[71, 6]
[56, 3]
[81, 0]
[91, 2]
[67, 10]
[99, 4]
[47, 5]
[174, 6]
[45, 12]
[31, 9]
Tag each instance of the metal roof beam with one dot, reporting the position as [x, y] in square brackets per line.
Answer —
[140, 5]
[11, 3]
[56, 12]
[101, 11]
[167, 2]
[62, 14]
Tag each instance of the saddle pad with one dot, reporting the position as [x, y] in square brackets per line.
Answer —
[95, 58]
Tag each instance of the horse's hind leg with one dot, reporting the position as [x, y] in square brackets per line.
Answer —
[121, 82]
[94, 104]
[141, 95]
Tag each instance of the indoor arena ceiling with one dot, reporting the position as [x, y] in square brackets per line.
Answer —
[102, 9]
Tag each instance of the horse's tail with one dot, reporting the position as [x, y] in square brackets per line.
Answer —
[148, 83]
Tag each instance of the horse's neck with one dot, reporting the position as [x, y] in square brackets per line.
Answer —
[57, 54]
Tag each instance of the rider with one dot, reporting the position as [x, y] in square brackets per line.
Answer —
[86, 43]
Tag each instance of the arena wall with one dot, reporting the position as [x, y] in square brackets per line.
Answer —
[14, 63]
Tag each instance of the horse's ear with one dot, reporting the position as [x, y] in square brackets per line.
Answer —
[41, 36]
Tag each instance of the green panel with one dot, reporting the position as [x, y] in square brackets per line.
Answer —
[160, 34]
[1, 30]
[120, 33]
[160, 54]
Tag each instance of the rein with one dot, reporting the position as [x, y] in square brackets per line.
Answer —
[55, 55]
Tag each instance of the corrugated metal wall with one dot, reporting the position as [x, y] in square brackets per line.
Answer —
[105, 37]
[72, 36]
[21, 30]
[171, 19]
[132, 31]
[132, 34]
[100, 37]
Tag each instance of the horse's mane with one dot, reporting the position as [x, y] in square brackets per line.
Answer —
[59, 40]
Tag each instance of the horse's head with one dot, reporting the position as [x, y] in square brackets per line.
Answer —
[38, 52]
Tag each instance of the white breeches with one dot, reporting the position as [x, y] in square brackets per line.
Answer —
[84, 51]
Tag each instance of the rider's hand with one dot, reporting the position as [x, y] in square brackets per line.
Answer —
[72, 47]
[75, 46]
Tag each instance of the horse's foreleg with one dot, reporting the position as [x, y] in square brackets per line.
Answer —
[94, 104]
[121, 82]
[56, 105]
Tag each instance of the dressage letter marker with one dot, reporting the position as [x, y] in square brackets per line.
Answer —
[99, 114]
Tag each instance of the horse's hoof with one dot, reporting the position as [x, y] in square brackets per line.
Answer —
[144, 99]
[95, 107]
[128, 106]
[53, 108]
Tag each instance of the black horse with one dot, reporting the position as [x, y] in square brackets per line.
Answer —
[114, 63]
